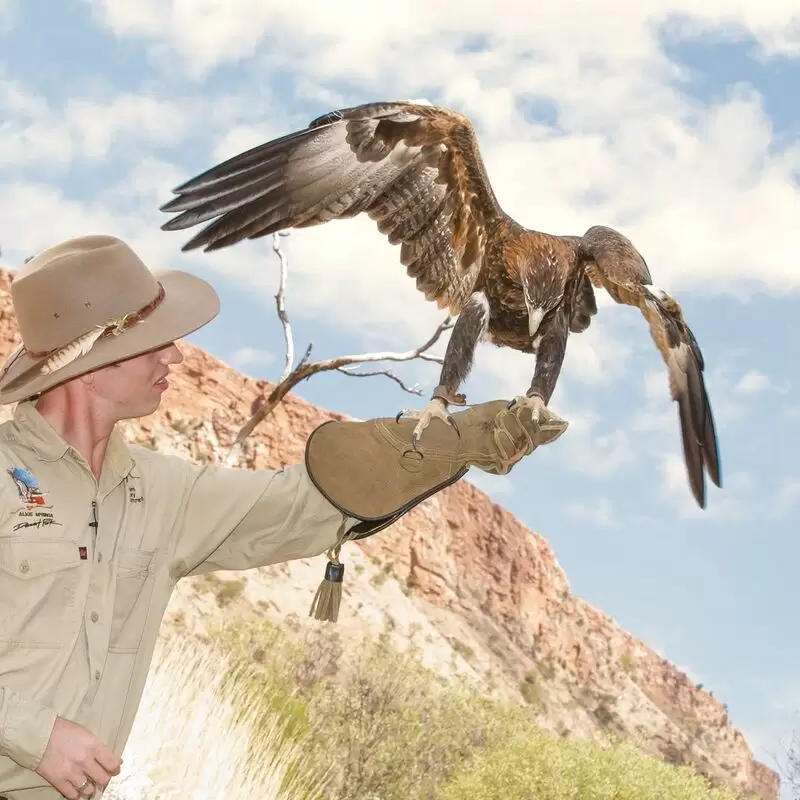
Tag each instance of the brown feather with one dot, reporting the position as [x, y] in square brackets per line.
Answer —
[414, 169]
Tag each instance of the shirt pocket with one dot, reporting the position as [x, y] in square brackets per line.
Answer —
[39, 584]
[132, 594]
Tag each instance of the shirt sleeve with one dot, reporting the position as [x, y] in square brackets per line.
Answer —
[25, 727]
[238, 519]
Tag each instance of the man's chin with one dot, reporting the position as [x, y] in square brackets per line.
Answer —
[143, 409]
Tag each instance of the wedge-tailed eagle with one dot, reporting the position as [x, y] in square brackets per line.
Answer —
[417, 171]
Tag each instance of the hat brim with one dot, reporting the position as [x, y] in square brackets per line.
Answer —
[189, 303]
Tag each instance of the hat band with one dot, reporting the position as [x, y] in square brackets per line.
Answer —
[59, 357]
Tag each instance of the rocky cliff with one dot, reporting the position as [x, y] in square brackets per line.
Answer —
[460, 576]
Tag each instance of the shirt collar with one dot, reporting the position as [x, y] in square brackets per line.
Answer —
[48, 445]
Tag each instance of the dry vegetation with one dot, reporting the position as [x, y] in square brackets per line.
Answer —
[254, 711]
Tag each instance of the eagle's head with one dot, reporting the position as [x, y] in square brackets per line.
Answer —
[542, 294]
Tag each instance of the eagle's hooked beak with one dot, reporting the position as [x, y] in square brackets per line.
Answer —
[535, 316]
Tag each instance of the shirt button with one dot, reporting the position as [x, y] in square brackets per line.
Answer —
[95, 616]
[24, 566]
[97, 674]
[99, 557]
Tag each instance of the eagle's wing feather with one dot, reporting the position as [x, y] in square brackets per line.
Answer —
[614, 264]
[415, 169]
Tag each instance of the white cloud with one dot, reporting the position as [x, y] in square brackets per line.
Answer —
[101, 124]
[34, 134]
[352, 37]
[773, 23]
[29, 133]
[753, 382]
[97, 123]
[24, 206]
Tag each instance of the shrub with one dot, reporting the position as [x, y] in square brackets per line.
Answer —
[396, 731]
[539, 766]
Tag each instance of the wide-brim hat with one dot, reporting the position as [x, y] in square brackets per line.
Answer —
[89, 302]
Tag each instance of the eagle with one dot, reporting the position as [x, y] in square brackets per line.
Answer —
[416, 170]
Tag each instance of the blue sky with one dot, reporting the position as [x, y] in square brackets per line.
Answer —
[676, 128]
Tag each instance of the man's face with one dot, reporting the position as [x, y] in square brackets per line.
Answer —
[133, 388]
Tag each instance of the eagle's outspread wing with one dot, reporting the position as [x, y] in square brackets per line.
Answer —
[614, 264]
[414, 168]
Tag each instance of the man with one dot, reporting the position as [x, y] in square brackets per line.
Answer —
[94, 533]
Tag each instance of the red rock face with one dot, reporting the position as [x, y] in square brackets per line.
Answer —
[493, 585]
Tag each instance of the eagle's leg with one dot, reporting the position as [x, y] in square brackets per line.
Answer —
[458, 358]
[549, 359]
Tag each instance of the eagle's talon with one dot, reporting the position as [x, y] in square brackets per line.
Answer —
[436, 409]
[453, 423]
[532, 401]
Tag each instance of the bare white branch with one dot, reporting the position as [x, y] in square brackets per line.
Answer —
[291, 376]
[280, 303]
[387, 372]
[408, 355]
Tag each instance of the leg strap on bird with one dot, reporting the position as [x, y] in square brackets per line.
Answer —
[371, 473]
[443, 393]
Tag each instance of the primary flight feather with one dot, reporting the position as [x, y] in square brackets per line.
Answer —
[416, 170]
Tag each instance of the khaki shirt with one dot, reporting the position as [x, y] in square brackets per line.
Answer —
[87, 568]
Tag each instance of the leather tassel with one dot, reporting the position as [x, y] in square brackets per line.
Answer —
[328, 599]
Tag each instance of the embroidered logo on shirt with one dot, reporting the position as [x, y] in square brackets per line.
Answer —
[30, 491]
[33, 511]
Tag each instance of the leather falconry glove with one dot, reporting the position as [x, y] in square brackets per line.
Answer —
[372, 474]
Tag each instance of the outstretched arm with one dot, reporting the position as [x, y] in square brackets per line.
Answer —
[357, 478]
